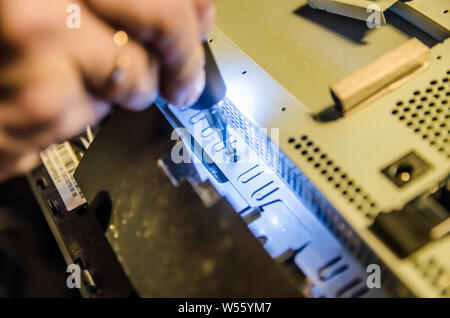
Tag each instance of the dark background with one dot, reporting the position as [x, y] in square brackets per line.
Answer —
[31, 264]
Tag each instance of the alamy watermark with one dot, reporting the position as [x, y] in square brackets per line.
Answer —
[374, 19]
[373, 279]
[73, 21]
[74, 279]
[208, 145]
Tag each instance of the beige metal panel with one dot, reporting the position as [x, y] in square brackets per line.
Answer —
[305, 50]
[357, 9]
[362, 144]
[431, 16]
[436, 10]
[433, 264]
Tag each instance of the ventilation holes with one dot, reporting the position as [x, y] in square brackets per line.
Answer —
[427, 113]
[334, 174]
[436, 274]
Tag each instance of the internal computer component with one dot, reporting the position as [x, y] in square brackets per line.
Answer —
[328, 191]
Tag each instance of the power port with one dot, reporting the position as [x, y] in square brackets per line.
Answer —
[403, 173]
[406, 169]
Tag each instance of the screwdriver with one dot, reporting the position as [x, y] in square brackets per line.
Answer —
[212, 98]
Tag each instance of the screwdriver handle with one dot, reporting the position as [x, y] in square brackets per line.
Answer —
[215, 88]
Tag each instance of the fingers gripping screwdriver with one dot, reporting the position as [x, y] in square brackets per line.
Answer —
[211, 98]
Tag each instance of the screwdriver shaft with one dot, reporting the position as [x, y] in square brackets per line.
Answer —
[215, 120]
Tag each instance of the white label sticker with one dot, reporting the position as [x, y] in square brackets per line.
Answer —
[61, 162]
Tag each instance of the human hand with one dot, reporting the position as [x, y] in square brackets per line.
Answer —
[54, 81]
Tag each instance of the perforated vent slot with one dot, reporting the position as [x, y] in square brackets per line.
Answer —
[436, 274]
[252, 134]
[300, 184]
[427, 113]
[333, 173]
